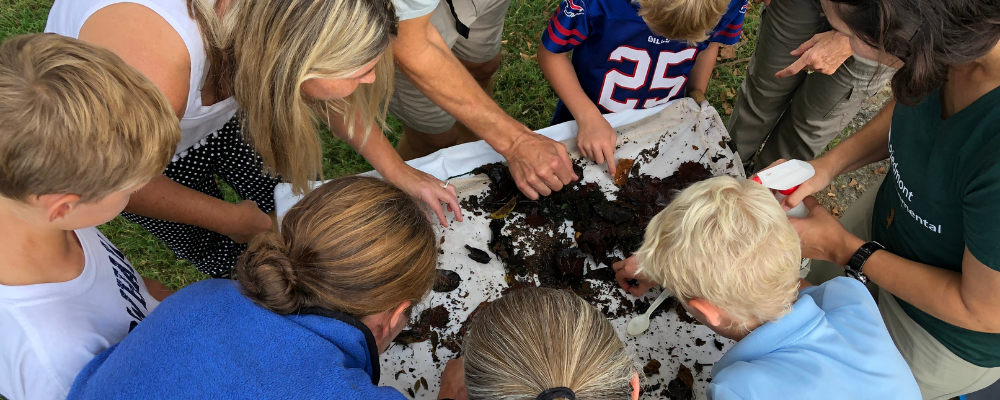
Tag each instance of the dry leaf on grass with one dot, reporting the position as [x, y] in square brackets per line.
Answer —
[832, 194]
[727, 52]
[727, 108]
[853, 183]
[879, 171]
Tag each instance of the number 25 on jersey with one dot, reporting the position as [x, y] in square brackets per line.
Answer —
[615, 79]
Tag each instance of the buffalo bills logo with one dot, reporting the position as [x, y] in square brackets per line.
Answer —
[572, 9]
[743, 10]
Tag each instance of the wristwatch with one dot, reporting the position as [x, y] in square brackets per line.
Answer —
[859, 259]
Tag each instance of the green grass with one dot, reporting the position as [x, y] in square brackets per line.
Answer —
[521, 91]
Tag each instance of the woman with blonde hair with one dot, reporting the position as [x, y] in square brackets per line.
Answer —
[543, 344]
[250, 80]
[307, 316]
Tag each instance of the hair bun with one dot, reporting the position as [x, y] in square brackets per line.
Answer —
[267, 275]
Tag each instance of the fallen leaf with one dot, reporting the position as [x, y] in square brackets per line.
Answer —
[525, 112]
[525, 56]
[534, 56]
[879, 171]
[835, 211]
[832, 188]
[832, 194]
[727, 52]
[529, 43]
[624, 167]
[853, 183]
[736, 72]
[503, 41]
[506, 209]
[727, 108]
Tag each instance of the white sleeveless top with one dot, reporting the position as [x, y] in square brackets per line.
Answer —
[199, 121]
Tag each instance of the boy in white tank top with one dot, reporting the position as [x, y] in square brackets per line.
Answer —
[80, 131]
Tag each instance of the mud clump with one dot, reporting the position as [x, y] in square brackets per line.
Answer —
[435, 318]
[681, 387]
[446, 281]
[652, 367]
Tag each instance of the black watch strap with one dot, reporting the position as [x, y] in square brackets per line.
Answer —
[860, 257]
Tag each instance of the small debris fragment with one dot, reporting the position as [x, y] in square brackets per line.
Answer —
[477, 255]
[652, 367]
[718, 344]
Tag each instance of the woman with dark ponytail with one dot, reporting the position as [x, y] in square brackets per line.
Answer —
[929, 236]
[308, 314]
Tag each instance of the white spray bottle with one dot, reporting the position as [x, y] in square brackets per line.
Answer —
[783, 179]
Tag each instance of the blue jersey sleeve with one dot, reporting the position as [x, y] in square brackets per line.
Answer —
[567, 28]
[731, 26]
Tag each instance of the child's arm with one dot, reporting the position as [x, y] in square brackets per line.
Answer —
[595, 136]
[701, 71]
[156, 289]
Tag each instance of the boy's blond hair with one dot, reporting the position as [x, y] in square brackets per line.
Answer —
[686, 20]
[726, 241]
[75, 119]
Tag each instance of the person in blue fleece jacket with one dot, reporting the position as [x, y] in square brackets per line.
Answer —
[309, 311]
[729, 254]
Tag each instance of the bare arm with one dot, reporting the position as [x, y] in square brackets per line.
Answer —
[701, 72]
[595, 137]
[149, 44]
[380, 153]
[970, 299]
[539, 165]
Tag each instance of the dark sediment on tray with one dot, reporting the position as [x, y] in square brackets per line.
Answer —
[530, 237]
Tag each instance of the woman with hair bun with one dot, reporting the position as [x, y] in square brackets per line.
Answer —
[543, 344]
[928, 236]
[308, 314]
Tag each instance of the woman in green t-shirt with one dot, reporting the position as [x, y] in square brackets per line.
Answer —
[936, 214]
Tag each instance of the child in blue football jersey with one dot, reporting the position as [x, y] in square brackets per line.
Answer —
[631, 54]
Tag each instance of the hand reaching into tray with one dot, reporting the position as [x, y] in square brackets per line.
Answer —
[596, 140]
[428, 189]
[539, 165]
[628, 279]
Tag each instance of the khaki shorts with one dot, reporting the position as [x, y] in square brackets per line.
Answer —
[484, 19]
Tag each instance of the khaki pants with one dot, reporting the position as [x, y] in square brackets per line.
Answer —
[940, 374]
[798, 115]
[485, 20]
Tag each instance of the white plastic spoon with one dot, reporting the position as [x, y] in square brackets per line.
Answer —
[640, 324]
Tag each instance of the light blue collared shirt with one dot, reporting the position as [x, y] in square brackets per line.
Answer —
[832, 345]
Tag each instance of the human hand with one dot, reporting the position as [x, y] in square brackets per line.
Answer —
[824, 53]
[539, 165]
[823, 237]
[247, 220]
[625, 271]
[697, 94]
[430, 190]
[453, 381]
[597, 141]
[824, 174]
